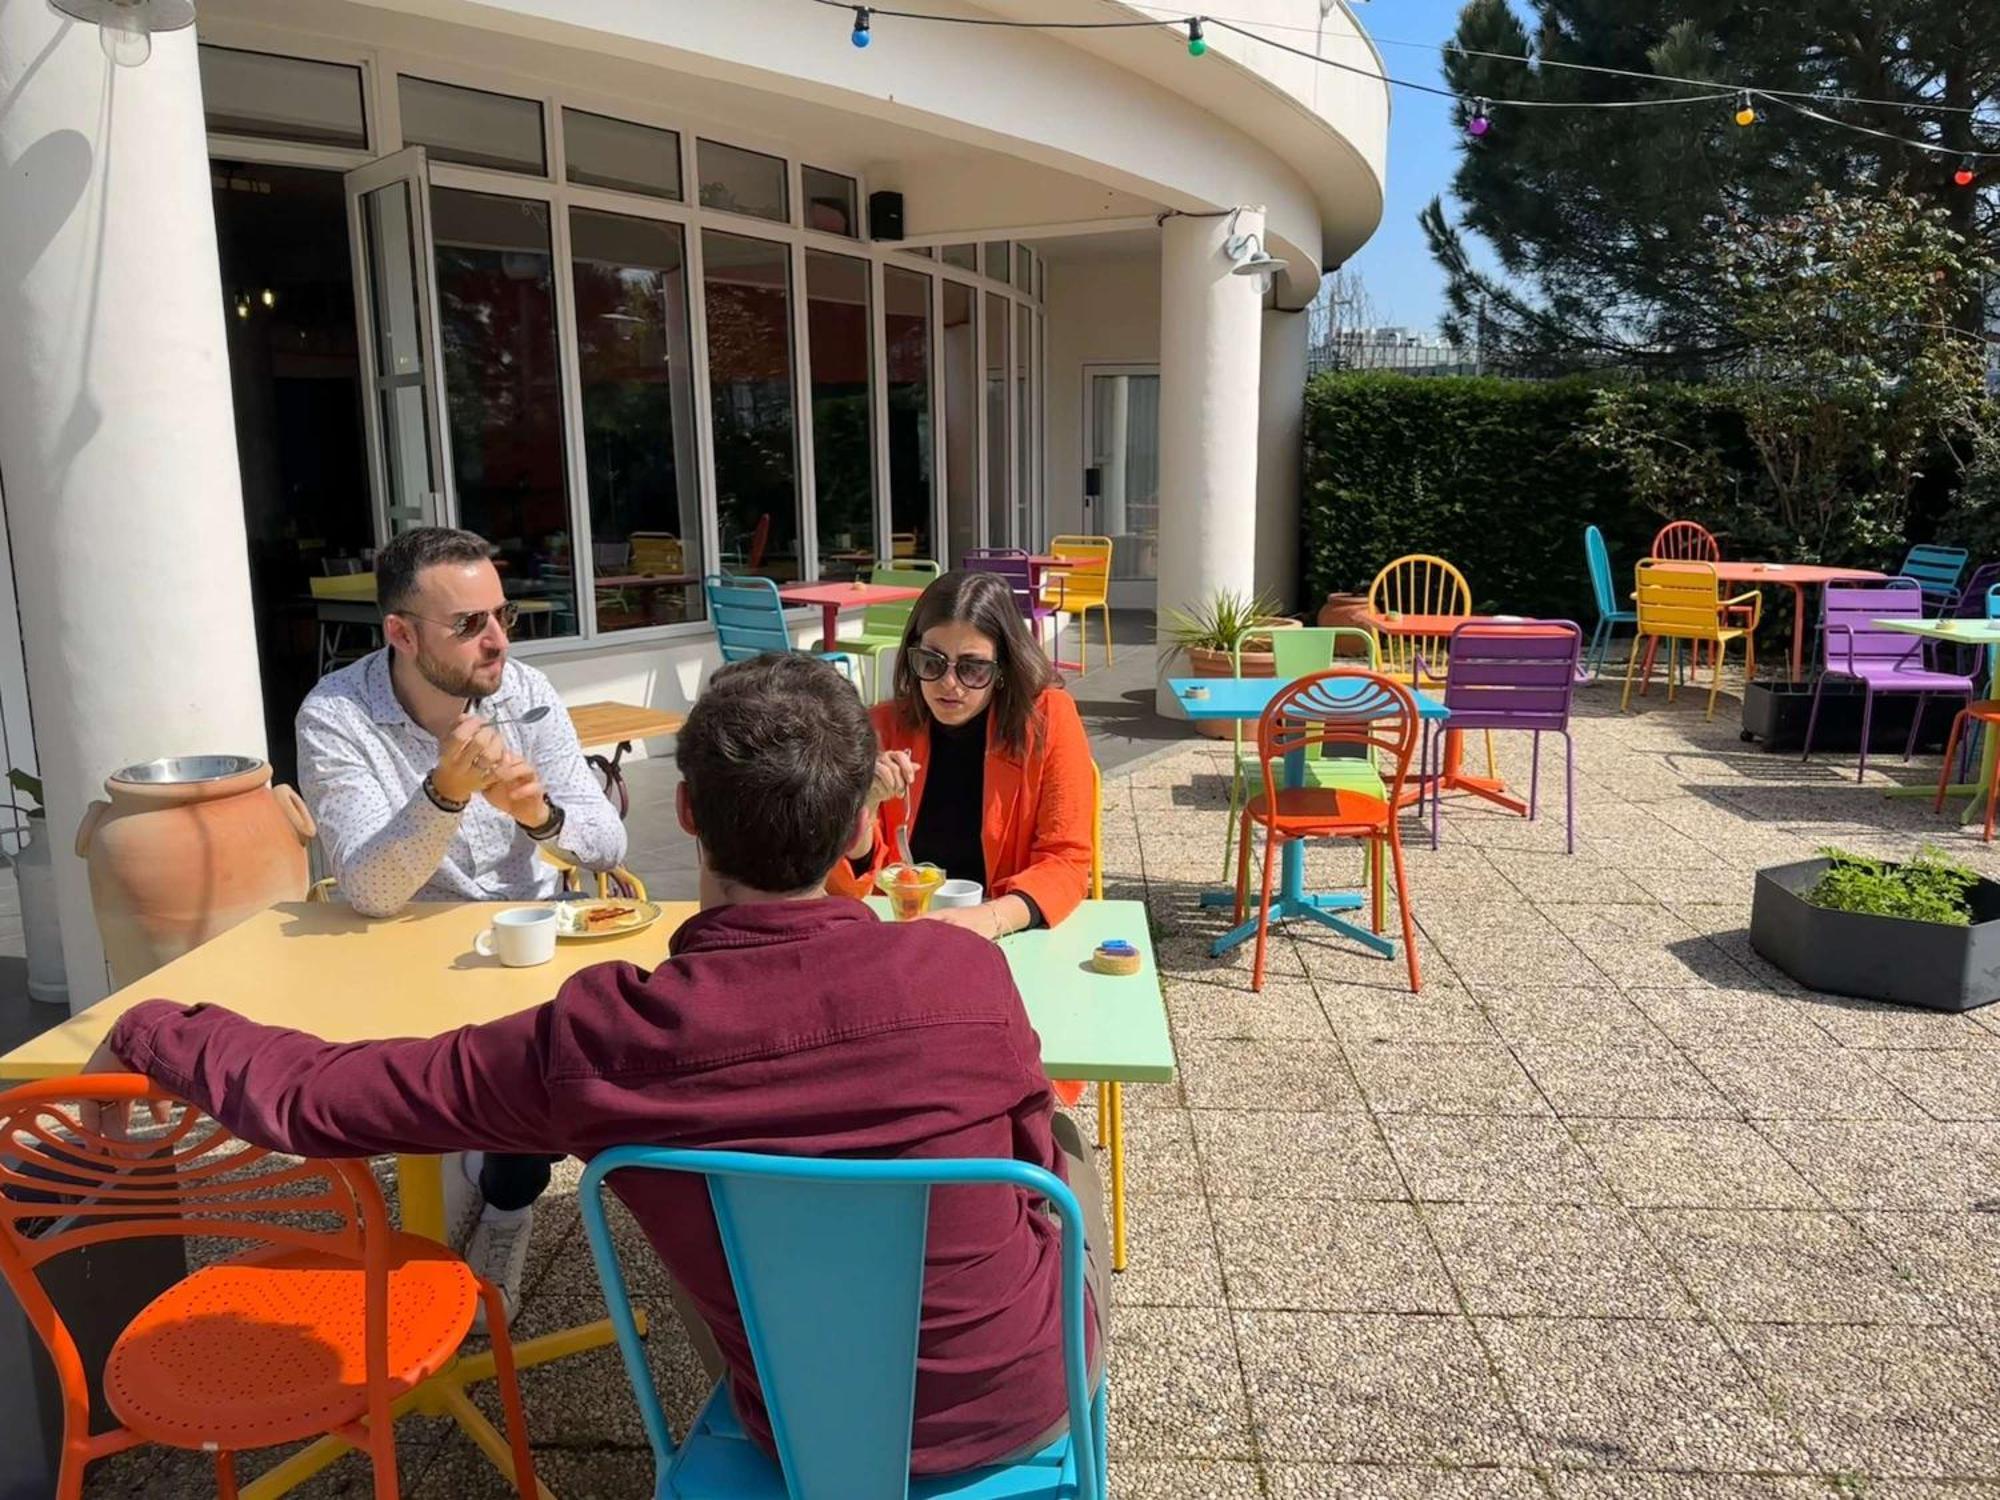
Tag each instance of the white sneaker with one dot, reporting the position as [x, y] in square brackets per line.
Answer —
[498, 1253]
[463, 1202]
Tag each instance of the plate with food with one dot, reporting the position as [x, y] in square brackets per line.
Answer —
[600, 917]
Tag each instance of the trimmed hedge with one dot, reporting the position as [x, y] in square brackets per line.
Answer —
[1488, 473]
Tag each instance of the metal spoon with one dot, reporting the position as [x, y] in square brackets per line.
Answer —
[534, 715]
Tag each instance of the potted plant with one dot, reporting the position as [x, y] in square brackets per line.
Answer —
[36, 876]
[1924, 932]
[1209, 636]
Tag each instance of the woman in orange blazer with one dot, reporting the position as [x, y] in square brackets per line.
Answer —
[988, 756]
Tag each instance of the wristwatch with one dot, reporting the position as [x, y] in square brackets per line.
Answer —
[439, 800]
[548, 828]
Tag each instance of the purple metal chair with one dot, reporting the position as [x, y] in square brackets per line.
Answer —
[1517, 677]
[1882, 661]
[1012, 564]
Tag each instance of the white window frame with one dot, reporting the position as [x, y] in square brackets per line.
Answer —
[380, 70]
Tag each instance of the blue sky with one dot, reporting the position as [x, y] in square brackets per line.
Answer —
[1402, 280]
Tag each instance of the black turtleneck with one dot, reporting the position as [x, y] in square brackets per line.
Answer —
[946, 832]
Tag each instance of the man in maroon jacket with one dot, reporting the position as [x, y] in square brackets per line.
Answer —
[784, 1020]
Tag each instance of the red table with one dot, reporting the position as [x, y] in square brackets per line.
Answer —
[1454, 777]
[832, 598]
[1795, 576]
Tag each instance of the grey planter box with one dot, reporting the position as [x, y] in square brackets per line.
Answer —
[1876, 958]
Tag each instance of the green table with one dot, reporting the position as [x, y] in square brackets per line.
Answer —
[1960, 633]
[1108, 1029]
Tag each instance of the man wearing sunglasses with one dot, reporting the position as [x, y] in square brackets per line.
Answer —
[429, 786]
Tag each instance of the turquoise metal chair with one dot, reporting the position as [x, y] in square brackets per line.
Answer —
[827, 1260]
[749, 620]
[1936, 571]
[1296, 654]
[882, 625]
[1609, 615]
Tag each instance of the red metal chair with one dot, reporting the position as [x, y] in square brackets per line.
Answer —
[1307, 719]
[308, 1332]
[1690, 541]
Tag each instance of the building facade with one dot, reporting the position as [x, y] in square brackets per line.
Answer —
[620, 285]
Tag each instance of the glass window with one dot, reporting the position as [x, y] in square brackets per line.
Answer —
[923, 250]
[833, 202]
[632, 346]
[907, 325]
[503, 395]
[965, 257]
[599, 151]
[998, 435]
[1024, 268]
[282, 98]
[1024, 530]
[838, 323]
[997, 255]
[473, 126]
[743, 182]
[961, 420]
[747, 296]
[1041, 279]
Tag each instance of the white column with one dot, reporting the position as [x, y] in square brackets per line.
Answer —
[1210, 359]
[117, 439]
[1280, 453]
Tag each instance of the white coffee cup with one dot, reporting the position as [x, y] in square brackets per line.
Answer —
[520, 937]
[958, 893]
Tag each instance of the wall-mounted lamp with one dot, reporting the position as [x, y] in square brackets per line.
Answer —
[125, 27]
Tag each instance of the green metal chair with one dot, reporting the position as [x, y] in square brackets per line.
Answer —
[1296, 654]
[882, 625]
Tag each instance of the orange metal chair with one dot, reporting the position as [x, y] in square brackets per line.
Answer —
[1303, 721]
[307, 1332]
[1987, 712]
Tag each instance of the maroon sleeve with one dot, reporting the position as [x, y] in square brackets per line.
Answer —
[478, 1088]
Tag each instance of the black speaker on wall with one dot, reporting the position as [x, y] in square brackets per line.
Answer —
[885, 216]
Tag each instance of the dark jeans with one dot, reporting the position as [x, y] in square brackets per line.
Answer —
[510, 1182]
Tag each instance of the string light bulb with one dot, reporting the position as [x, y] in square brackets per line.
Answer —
[1478, 125]
[1746, 113]
[1964, 175]
[1197, 44]
[861, 34]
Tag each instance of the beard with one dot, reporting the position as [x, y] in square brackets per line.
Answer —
[461, 682]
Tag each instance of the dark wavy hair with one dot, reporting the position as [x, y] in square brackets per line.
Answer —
[984, 601]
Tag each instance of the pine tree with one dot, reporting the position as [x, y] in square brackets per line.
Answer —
[1606, 223]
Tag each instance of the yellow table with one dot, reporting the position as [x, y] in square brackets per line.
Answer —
[619, 724]
[319, 967]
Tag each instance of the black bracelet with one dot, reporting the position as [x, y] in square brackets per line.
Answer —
[548, 828]
[439, 800]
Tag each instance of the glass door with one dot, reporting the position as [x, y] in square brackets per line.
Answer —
[1122, 409]
[388, 214]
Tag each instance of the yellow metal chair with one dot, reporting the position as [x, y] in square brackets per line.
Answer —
[1420, 583]
[1079, 590]
[1682, 601]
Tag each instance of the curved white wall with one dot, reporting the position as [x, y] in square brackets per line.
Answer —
[1127, 109]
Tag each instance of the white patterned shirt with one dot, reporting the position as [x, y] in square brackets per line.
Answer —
[362, 762]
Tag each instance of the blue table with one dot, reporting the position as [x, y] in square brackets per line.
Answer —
[1247, 698]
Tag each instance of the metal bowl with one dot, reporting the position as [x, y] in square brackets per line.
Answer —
[186, 770]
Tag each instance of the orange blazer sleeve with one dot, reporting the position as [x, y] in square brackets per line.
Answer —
[844, 880]
[1056, 871]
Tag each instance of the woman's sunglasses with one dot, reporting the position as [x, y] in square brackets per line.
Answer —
[471, 624]
[974, 672]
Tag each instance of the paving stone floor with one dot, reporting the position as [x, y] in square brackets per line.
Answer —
[1611, 1210]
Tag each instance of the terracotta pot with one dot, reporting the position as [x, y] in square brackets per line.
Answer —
[1203, 662]
[185, 849]
[1350, 610]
